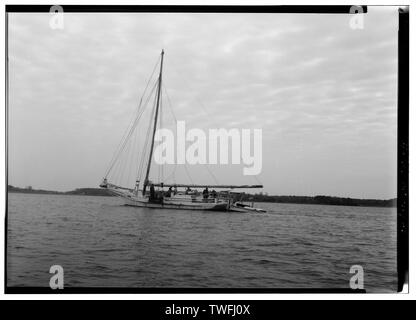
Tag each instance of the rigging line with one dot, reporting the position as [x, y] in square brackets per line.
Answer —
[125, 166]
[173, 114]
[137, 112]
[145, 146]
[136, 120]
[132, 157]
[121, 168]
[202, 105]
[151, 76]
[172, 174]
[169, 103]
[210, 172]
[255, 176]
[117, 150]
[116, 172]
[128, 162]
[147, 138]
[146, 142]
[161, 127]
[187, 173]
[125, 140]
[174, 117]
[140, 167]
[258, 180]
[129, 159]
[120, 165]
[136, 153]
[176, 121]
[149, 162]
[174, 171]
[184, 80]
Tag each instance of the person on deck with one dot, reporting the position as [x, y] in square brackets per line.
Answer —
[205, 194]
[169, 192]
[152, 192]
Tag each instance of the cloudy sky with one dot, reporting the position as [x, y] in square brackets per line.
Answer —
[324, 95]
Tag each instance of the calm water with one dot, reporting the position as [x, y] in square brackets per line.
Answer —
[99, 242]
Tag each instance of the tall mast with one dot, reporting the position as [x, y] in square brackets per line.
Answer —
[146, 180]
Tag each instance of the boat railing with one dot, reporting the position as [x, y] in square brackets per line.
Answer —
[193, 199]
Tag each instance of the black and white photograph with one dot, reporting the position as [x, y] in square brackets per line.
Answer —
[163, 149]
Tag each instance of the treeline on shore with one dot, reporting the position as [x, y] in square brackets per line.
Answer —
[79, 191]
[328, 200]
[258, 197]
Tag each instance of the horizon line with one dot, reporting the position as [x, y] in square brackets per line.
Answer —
[264, 193]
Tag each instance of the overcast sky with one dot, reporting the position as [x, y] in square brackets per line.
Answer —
[325, 95]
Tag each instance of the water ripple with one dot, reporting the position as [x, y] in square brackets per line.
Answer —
[102, 243]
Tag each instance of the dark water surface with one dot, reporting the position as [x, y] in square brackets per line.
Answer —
[101, 243]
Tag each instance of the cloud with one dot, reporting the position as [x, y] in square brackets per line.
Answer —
[325, 95]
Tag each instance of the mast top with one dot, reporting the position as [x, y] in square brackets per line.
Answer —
[159, 87]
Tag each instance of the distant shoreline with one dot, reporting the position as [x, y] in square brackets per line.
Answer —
[320, 200]
[80, 191]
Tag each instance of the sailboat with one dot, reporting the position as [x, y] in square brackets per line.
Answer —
[190, 198]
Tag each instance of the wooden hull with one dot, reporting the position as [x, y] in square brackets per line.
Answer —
[178, 206]
[179, 202]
